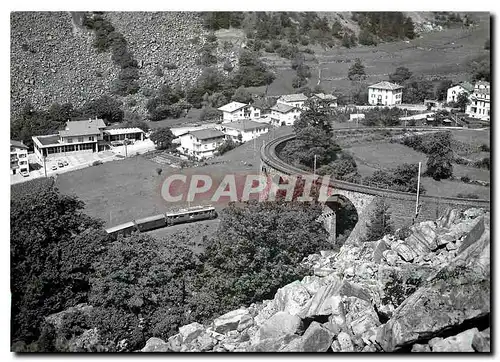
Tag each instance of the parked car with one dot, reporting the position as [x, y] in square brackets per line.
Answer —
[60, 164]
[65, 163]
[24, 173]
[54, 167]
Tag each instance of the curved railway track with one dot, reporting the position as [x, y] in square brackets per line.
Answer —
[271, 159]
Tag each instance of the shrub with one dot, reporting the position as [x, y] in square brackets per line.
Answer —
[159, 171]
[484, 148]
[228, 145]
[465, 179]
[379, 224]
[97, 163]
[170, 66]
[467, 196]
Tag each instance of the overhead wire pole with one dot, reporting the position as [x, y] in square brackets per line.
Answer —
[315, 165]
[418, 189]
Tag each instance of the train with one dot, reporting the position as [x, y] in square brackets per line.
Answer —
[170, 218]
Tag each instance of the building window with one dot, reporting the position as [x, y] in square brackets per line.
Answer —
[69, 140]
[22, 155]
[80, 139]
[91, 138]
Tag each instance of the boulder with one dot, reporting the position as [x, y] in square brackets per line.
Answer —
[420, 348]
[423, 238]
[246, 321]
[191, 331]
[205, 342]
[345, 342]
[349, 289]
[336, 346]
[462, 342]
[291, 298]
[391, 257]
[175, 342]
[474, 234]
[312, 283]
[156, 345]
[315, 339]
[273, 344]
[436, 307]
[404, 251]
[481, 341]
[280, 324]
[360, 316]
[321, 304]
[229, 321]
[88, 341]
[378, 251]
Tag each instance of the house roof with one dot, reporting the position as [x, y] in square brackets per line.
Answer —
[325, 97]
[482, 82]
[467, 86]
[282, 108]
[232, 107]
[245, 125]
[298, 97]
[47, 140]
[118, 131]
[204, 134]
[82, 128]
[386, 85]
[18, 144]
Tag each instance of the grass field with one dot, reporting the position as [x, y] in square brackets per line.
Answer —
[383, 156]
[124, 190]
[473, 137]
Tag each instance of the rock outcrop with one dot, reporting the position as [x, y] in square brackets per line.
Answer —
[417, 294]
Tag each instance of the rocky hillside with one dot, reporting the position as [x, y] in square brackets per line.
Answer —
[428, 292]
[53, 59]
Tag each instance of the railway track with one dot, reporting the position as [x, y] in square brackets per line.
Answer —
[271, 159]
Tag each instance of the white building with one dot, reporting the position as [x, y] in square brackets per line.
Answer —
[244, 130]
[202, 143]
[385, 94]
[324, 100]
[236, 111]
[18, 158]
[296, 100]
[479, 106]
[453, 92]
[90, 135]
[284, 114]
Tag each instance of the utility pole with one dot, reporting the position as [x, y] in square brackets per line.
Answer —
[418, 189]
[315, 165]
[44, 165]
[125, 143]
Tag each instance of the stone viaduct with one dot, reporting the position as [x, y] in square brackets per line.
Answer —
[402, 205]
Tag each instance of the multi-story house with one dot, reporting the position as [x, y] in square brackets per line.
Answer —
[202, 143]
[244, 130]
[479, 102]
[324, 100]
[453, 92]
[284, 114]
[236, 111]
[89, 135]
[295, 100]
[19, 158]
[385, 94]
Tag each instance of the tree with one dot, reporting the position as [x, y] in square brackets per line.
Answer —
[442, 89]
[379, 224]
[162, 138]
[53, 245]
[147, 294]
[242, 95]
[105, 107]
[357, 71]
[418, 91]
[440, 157]
[479, 67]
[257, 250]
[462, 101]
[401, 75]
[366, 38]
